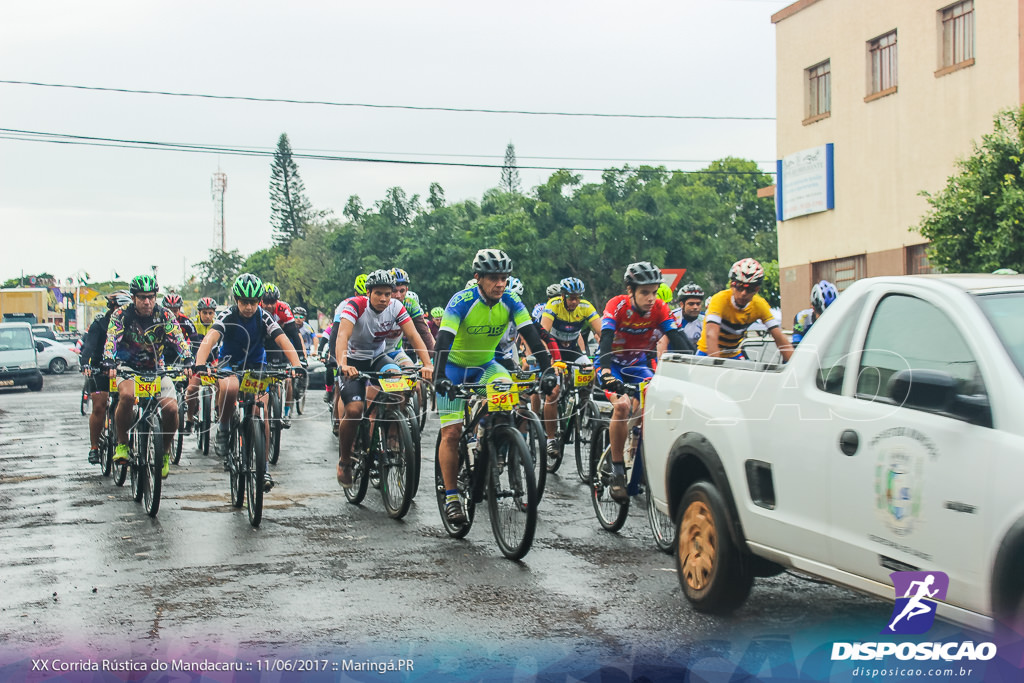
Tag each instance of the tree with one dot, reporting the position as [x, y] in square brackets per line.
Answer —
[974, 223]
[510, 171]
[291, 212]
[218, 272]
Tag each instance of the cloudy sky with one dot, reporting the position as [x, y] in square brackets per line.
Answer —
[70, 208]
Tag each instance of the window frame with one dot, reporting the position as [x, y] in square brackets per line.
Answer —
[883, 65]
[818, 91]
[956, 37]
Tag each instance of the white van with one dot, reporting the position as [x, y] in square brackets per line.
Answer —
[18, 362]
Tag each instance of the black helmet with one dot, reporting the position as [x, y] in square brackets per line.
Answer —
[271, 294]
[380, 278]
[642, 273]
[492, 262]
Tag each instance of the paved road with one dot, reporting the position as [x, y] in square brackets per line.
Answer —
[85, 568]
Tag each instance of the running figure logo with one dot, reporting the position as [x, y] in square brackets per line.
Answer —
[917, 594]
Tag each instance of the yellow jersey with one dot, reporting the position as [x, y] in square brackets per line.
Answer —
[566, 325]
[733, 322]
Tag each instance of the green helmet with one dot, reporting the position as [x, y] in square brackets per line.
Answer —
[271, 294]
[360, 284]
[143, 283]
[248, 286]
[413, 297]
[665, 293]
[436, 312]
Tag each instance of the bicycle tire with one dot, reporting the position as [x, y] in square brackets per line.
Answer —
[236, 476]
[397, 464]
[610, 513]
[360, 458]
[275, 424]
[416, 434]
[663, 528]
[206, 406]
[511, 492]
[152, 450]
[585, 423]
[182, 414]
[86, 397]
[134, 443]
[421, 401]
[255, 469]
[299, 393]
[537, 444]
[463, 485]
[106, 444]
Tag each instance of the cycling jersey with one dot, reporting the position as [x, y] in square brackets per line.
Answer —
[691, 329]
[537, 312]
[733, 322]
[281, 313]
[371, 330]
[635, 332]
[412, 306]
[478, 327]
[802, 323]
[140, 342]
[242, 339]
[566, 325]
[308, 335]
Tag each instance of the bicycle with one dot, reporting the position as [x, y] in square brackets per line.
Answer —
[145, 437]
[494, 463]
[108, 436]
[204, 416]
[299, 386]
[383, 453]
[87, 396]
[275, 410]
[611, 514]
[577, 413]
[531, 427]
[180, 385]
[247, 446]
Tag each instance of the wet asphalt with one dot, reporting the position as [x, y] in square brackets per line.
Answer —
[85, 567]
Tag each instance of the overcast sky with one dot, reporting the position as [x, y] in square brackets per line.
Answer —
[66, 208]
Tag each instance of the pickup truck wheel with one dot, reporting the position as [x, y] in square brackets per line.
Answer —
[712, 571]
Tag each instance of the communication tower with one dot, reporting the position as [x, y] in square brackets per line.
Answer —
[218, 185]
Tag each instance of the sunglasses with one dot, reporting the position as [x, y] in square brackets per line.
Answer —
[145, 297]
[248, 302]
[746, 288]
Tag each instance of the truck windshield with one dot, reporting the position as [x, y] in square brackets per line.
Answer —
[14, 339]
[1006, 313]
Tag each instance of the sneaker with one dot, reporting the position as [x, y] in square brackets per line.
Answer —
[454, 513]
[167, 466]
[268, 482]
[553, 447]
[121, 454]
[618, 488]
[286, 422]
[187, 429]
[344, 475]
[220, 444]
[328, 397]
[94, 456]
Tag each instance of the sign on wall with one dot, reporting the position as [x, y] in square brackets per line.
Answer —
[806, 183]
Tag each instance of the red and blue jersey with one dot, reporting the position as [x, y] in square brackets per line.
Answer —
[635, 332]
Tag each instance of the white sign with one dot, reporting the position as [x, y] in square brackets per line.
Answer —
[805, 183]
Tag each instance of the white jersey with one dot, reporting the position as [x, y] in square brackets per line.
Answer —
[507, 347]
[371, 329]
[691, 330]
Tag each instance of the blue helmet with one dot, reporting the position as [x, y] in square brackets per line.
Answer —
[822, 295]
[571, 285]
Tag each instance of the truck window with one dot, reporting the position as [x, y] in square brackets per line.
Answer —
[832, 369]
[14, 339]
[909, 333]
[1006, 313]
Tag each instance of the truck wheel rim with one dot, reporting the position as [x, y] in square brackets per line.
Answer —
[698, 540]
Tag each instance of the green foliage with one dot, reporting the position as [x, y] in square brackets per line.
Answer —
[974, 223]
[510, 171]
[291, 212]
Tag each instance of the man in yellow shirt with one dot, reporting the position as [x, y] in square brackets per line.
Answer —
[731, 311]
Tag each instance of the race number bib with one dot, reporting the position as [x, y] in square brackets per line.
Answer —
[251, 384]
[583, 376]
[501, 400]
[393, 384]
[146, 388]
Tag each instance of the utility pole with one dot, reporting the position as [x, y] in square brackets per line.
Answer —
[218, 186]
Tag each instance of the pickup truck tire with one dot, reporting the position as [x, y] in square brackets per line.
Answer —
[712, 571]
[36, 385]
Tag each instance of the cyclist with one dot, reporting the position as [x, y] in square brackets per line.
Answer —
[435, 320]
[473, 324]
[629, 326]
[411, 301]
[172, 302]
[92, 356]
[366, 324]
[731, 311]
[688, 317]
[137, 336]
[507, 352]
[241, 333]
[564, 319]
[306, 332]
[822, 295]
[202, 323]
[282, 315]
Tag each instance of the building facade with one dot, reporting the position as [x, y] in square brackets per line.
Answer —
[895, 91]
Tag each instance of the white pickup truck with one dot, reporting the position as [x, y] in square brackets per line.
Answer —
[892, 441]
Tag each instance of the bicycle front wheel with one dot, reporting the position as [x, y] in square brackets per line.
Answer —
[585, 423]
[360, 458]
[275, 426]
[415, 433]
[511, 492]
[235, 464]
[610, 513]
[205, 407]
[151, 448]
[255, 463]
[136, 473]
[182, 413]
[396, 462]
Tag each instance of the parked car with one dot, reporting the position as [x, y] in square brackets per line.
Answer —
[18, 365]
[891, 441]
[55, 357]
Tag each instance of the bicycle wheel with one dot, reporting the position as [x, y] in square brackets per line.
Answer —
[182, 413]
[205, 407]
[275, 424]
[299, 393]
[537, 444]
[662, 526]
[511, 492]
[415, 433]
[610, 513]
[585, 423]
[396, 463]
[360, 464]
[255, 463]
[86, 398]
[463, 484]
[421, 404]
[235, 465]
[135, 470]
[106, 444]
[152, 451]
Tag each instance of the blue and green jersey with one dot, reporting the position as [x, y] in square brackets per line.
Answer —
[478, 327]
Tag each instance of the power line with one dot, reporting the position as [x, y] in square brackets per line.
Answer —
[92, 141]
[409, 107]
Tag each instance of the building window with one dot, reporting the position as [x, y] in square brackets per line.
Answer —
[841, 272]
[957, 33]
[819, 90]
[882, 58]
[917, 260]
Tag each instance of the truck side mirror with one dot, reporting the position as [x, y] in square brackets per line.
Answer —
[39, 346]
[922, 389]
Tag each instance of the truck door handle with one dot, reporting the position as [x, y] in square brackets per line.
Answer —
[849, 442]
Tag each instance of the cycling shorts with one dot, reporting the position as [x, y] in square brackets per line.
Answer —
[400, 356]
[570, 352]
[453, 411]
